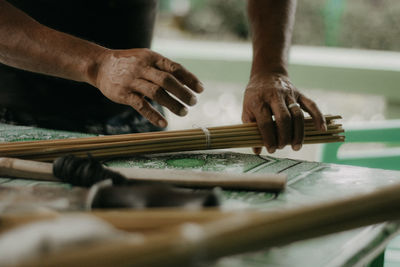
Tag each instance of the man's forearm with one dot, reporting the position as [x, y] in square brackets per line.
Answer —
[271, 24]
[270, 98]
[26, 44]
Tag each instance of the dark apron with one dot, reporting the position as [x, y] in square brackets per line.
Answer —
[33, 99]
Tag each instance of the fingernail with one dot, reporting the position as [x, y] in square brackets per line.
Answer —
[183, 111]
[193, 101]
[200, 87]
[162, 124]
[297, 147]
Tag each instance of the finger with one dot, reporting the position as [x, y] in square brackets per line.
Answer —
[312, 109]
[182, 74]
[158, 94]
[171, 84]
[283, 122]
[297, 122]
[145, 109]
[267, 128]
[246, 118]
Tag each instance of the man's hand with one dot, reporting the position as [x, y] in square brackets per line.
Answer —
[128, 76]
[271, 95]
[124, 76]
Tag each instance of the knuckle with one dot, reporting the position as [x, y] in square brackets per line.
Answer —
[165, 78]
[266, 125]
[146, 113]
[282, 90]
[147, 51]
[298, 114]
[272, 94]
[256, 99]
[137, 102]
[284, 118]
[145, 55]
[313, 105]
[174, 67]
[189, 78]
[120, 93]
[163, 61]
[157, 92]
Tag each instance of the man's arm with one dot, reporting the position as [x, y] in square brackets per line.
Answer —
[270, 92]
[124, 76]
[26, 44]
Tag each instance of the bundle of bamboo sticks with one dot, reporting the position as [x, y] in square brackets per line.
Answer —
[234, 136]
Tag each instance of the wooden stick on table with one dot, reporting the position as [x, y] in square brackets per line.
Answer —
[236, 233]
[27, 169]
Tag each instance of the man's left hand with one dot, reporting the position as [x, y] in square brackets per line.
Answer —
[273, 95]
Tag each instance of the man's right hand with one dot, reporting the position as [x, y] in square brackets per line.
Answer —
[128, 76]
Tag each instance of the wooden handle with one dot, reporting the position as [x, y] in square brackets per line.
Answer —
[242, 181]
[28, 169]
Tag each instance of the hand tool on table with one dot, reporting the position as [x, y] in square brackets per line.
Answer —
[27, 169]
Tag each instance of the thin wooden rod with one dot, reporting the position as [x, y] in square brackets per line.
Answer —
[27, 169]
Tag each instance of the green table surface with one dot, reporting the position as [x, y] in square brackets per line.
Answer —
[308, 183]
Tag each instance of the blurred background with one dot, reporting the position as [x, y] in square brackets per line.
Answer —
[344, 56]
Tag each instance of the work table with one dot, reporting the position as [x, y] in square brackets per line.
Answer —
[308, 183]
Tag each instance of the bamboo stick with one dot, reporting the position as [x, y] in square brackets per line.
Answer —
[244, 181]
[238, 232]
